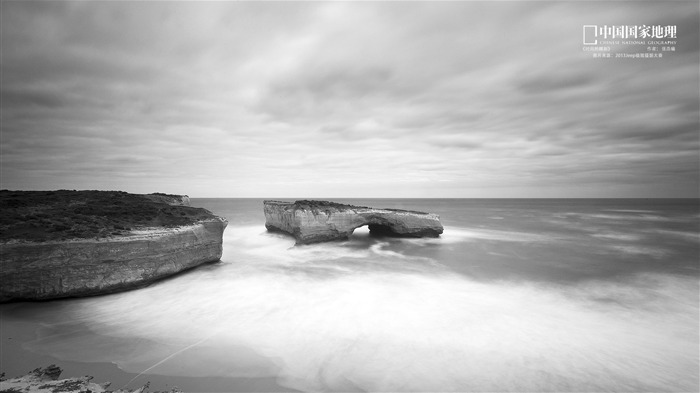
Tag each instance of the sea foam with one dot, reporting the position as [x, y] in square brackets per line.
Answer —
[340, 317]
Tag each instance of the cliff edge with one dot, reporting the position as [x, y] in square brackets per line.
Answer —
[320, 221]
[56, 244]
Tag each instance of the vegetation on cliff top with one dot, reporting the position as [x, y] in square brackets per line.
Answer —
[310, 204]
[66, 214]
[316, 206]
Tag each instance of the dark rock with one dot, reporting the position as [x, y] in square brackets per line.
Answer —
[46, 381]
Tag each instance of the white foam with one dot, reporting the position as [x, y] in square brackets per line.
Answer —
[275, 248]
[413, 332]
[686, 235]
[378, 249]
[630, 211]
[462, 234]
[617, 236]
[273, 309]
[624, 217]
[656, 252]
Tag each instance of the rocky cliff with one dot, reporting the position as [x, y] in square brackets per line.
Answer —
[90, 243]
[175, 200]
[320, 221]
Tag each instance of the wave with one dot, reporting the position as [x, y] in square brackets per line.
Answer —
[693, 236]
[392, 330]
[626, 217]
[630, 237]
[453, 235]
[630, 211]
[364, 315]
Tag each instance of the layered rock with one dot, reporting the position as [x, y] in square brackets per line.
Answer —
[320, 221]
[62, 261]
[53, 269]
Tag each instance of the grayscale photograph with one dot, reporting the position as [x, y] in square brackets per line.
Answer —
[349, 196]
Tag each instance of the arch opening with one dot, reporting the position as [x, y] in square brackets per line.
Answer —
[374, 230]
[379, 230]
[361, 231]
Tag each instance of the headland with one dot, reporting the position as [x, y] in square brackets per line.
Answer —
[77, 243]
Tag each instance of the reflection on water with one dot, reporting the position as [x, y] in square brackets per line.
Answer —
[396, 315]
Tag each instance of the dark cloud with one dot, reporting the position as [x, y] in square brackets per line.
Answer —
[12, 98]
[554, 79]
[318, 92]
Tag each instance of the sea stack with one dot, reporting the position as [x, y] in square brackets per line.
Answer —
[65, 243]
[321, 221]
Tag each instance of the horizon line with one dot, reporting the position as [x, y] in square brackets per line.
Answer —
[326, 198]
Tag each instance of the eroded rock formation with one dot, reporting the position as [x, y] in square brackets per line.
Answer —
[320, 221]
[45, 380]
[73, 243]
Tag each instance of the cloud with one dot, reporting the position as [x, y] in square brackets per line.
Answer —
[452, 99]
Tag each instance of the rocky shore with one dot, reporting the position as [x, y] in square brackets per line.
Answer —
[45, 380]
[75, 243]
[321, 221]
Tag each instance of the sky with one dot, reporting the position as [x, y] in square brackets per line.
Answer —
[346, 99]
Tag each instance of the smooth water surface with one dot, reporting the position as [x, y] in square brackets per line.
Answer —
[516, 295]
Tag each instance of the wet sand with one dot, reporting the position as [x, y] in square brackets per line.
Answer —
[17, 360]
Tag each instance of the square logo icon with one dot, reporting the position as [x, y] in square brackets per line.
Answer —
[590, 36]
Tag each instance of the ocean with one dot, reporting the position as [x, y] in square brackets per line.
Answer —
[535, 295]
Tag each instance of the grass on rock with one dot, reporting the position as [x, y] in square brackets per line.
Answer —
[66, 214]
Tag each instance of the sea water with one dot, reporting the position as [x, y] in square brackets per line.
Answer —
[516, 295]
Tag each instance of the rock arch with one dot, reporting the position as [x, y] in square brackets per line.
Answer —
[320, 221]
